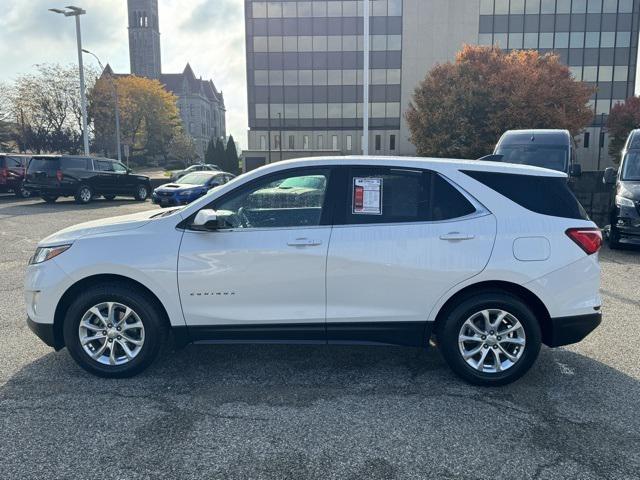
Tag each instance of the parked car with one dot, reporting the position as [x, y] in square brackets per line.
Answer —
[200, 167]
[83, 178]
[492, 259]
[188, 188]
[624, 216]
[553, 149]
[12, 173]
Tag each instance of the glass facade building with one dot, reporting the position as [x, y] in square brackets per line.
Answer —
[305, 74]
[305, 61]
[597, 39]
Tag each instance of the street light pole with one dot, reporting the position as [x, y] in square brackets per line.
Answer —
[365, 99]
[76, 12]
[280, 133]
[114, 85]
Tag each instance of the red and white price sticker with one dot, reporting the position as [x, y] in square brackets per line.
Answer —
[367, 196]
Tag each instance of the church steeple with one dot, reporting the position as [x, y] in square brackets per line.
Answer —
[144, 38]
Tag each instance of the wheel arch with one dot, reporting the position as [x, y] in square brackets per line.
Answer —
[526, 295]
[88, 282]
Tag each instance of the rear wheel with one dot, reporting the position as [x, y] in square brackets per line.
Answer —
[49, 198]
[490, 339]
[84, 194]
[141, 193]
[114, 331]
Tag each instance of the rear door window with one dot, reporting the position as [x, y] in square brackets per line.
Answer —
[73, 163]
[545, 195]
[389, 195]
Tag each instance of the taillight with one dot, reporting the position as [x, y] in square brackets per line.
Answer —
[4, 173]
[588, 239]
[59, 175]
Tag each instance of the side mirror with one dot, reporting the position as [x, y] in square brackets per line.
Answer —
[492, 158]
[206, 219]
[575, 170]
[610, 176]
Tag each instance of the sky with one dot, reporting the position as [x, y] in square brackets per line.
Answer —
[209, 34]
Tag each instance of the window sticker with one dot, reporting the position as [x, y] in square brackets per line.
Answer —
[367, 196]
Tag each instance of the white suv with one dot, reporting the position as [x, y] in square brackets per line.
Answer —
[489, 259]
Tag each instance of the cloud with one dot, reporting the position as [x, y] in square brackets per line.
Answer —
[208, 34]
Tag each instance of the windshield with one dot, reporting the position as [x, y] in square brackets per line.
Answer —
[195, 178]
[315, 182]
[631, 166]
[553, 157]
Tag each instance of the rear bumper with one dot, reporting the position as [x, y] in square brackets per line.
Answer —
[46, 333]
[568, 330]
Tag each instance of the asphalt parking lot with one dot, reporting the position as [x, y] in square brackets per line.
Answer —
[290, 412]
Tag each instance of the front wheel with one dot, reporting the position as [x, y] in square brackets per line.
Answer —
[141, 193]
[114, 331]
[22, 192]
[490, 339]
[614, 238]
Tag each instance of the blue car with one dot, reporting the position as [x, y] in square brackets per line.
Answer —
[188, 188]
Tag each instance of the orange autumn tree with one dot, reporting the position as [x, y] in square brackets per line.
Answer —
[460, 109]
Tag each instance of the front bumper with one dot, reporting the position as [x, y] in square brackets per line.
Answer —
[46, 333]
[568, 330]
[173, 201]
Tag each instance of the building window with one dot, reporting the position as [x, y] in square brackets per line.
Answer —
[320, 142]
[587, 137]
[349, 143]
[263, 142]
[378, 142]
[305, 142]
[276, 142]
[292, 142]
[392, 142]
[334, 142]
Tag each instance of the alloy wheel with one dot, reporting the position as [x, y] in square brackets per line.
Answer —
[85, 194]
[491, 340]
[111, 333]
[142, 192]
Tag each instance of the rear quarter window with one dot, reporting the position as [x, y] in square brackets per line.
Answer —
[70, 163]
[539, 194]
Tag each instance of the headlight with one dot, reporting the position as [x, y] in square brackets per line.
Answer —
[47, 253]
[624, 201]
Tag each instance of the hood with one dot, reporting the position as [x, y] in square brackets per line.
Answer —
[177, 187]
[631, 188]
[99, 227]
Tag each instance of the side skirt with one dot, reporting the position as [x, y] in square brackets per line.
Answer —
[411, 334]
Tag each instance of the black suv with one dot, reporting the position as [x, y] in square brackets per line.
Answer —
[12, 172]
[625, 212]
[84, 178]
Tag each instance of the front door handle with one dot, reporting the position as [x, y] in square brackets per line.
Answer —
[456, 236]
[304, 242]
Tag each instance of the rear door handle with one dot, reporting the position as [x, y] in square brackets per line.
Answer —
[456, 236]
[304, 242]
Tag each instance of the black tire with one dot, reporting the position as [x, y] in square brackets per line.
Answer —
[614, 238]
[84, 194]
[49, 198]
[151, 316]
[457, 316]
[141, 193]
[21, 192]
[109, 197]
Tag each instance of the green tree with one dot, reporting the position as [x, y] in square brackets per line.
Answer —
[460, 109]
[209, 155]
[231, 157]
[219, 154]
[623, 118]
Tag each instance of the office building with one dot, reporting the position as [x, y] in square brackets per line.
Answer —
[305, 60]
